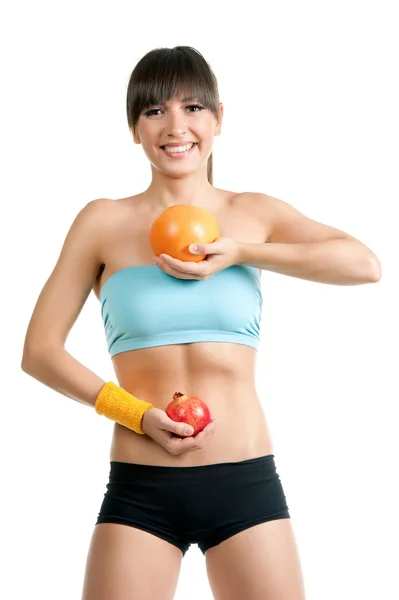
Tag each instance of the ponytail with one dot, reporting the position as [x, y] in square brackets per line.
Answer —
[210, 169]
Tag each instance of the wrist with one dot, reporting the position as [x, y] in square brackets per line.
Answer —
[242, 252]
[119, 405]
[143, 417]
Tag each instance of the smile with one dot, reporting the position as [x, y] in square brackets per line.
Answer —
[178, 151]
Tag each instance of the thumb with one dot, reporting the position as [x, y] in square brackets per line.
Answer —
[182, 429]
[198, 248]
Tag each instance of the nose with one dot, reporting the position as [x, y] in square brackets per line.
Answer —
[176, 124]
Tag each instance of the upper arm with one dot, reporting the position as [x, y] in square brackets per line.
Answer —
[286, 224]
[69, 285]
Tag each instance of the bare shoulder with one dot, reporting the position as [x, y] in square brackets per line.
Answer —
[118, 209]
[103, 210]
[262, 203]
[286, 224]
[95, 213]
[103, 216]
[260, 207]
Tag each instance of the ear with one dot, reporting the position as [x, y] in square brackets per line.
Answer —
[218, 127]
[136, 137]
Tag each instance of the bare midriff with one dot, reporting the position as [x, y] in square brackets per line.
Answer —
[221, 374]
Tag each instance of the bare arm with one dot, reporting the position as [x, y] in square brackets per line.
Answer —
[59, 304]
[293, 245]
[56, 310]
[301, 247]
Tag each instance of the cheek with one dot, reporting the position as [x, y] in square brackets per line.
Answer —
[146, 131]
[205, 130]
[149, 138]
[204, 133]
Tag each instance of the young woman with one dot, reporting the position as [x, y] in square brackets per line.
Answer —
[191, 327]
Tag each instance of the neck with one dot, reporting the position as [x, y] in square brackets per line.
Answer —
[193, 189]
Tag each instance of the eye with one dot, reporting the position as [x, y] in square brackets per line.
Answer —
[151, 112]
[196, 106]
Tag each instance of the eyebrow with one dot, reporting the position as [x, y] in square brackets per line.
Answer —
[186, 99]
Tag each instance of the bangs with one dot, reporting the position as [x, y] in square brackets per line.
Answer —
[166, 73]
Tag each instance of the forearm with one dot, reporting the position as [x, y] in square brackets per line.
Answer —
[60, 371]
[337, 261]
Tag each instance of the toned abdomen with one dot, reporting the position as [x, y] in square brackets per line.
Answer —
[221, 374]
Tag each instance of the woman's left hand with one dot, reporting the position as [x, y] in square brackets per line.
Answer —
[221, 254]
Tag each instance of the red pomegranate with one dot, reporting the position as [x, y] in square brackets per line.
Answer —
[190, 410]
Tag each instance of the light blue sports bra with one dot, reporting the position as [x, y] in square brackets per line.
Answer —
[142, 306]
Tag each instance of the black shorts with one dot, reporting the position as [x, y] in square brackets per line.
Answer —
[201, 505]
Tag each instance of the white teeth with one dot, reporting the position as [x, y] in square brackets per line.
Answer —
[178, 148]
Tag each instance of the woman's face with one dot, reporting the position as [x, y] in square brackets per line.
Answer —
[180, 122]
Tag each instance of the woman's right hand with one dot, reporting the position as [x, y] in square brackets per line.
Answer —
[163, 430]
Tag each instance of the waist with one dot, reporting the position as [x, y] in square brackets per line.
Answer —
[157, 373]
[222, 375]
[241, 434]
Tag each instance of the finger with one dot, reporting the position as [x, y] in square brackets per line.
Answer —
[187, 267]
[197, 441]
[182, 429]
[161, 264]
[191, 442]
[179, 445]
[178, 274]
[212, 248]
[205, 433]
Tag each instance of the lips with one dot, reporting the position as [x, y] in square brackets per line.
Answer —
[177, 154]
[177, 145]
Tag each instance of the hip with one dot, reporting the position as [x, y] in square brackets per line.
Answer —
[204, 505]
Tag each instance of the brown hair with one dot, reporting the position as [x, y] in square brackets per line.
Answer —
[165, 72]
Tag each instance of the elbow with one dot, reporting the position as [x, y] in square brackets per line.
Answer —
[24, 365]
[26, 358]
[29, 357]
[374, 269]
[33, 356]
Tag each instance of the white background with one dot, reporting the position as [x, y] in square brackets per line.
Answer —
[311, 117]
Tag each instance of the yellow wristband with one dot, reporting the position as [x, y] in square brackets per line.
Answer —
[117, 404]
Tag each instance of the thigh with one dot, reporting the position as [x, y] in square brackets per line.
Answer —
[259, 563]
[124, 562]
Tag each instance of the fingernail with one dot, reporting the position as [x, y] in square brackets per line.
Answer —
[188, 430]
